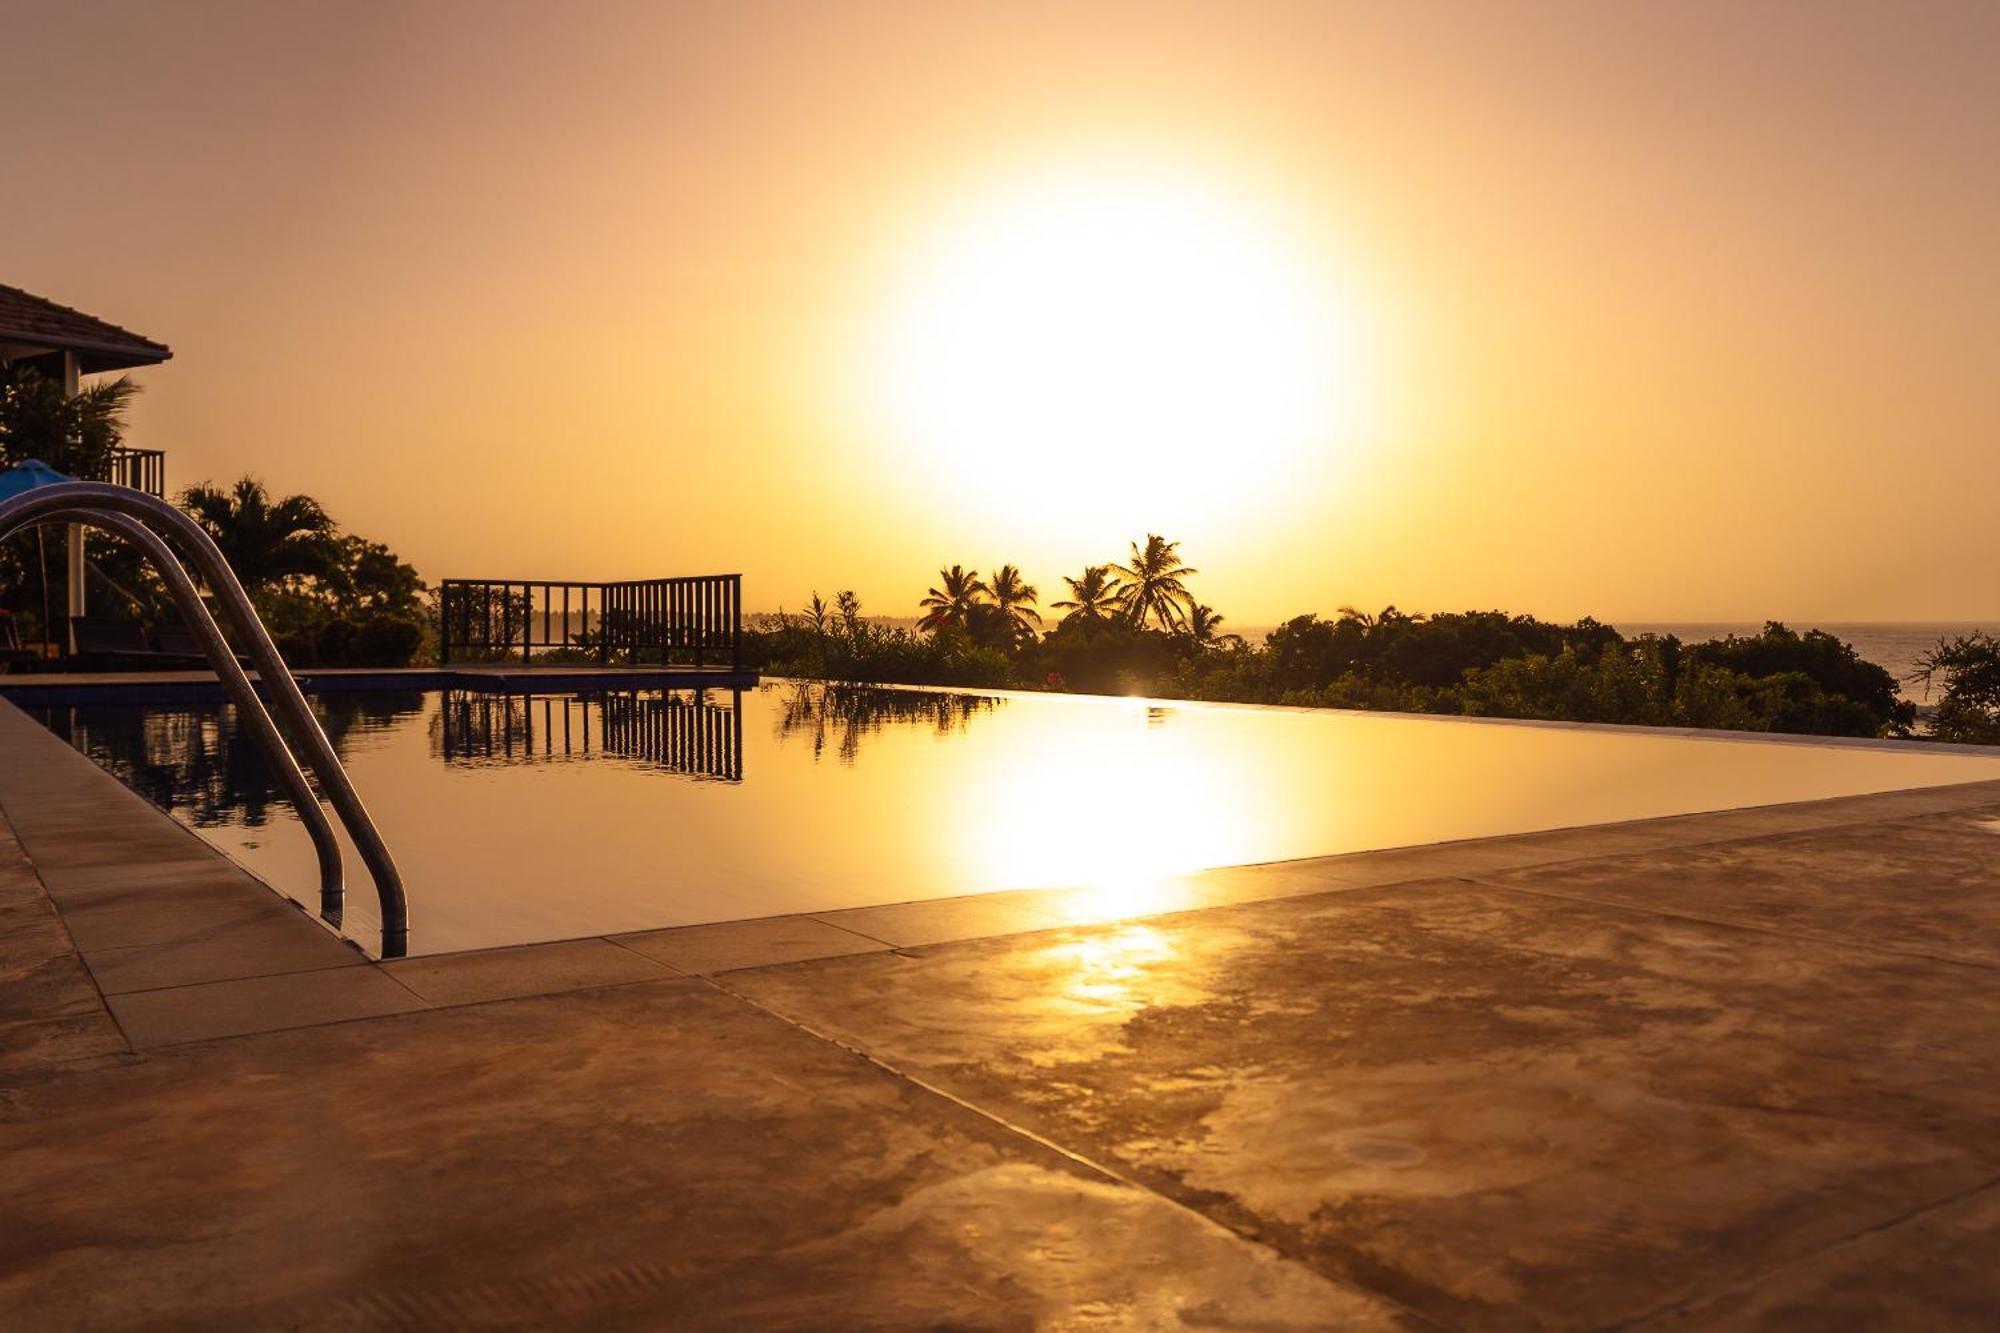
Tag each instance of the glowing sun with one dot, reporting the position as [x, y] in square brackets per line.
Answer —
[1118, 348]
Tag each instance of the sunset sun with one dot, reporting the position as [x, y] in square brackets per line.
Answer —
[1053, 333]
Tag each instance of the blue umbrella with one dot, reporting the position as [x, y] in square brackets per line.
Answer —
[27, 476]
[18, 480]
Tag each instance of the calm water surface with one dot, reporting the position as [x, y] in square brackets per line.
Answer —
[551, 816]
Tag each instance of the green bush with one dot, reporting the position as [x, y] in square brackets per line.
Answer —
[1968, 668]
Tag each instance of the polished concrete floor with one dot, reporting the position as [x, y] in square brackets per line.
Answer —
[1737, 1074]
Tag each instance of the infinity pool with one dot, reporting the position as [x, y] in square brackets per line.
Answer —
[518, 818]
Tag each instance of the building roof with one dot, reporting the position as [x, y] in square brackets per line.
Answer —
[31, 325]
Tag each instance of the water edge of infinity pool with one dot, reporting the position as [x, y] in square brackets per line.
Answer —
[525, 817]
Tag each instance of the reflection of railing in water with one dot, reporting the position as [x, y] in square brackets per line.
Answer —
[683, 731]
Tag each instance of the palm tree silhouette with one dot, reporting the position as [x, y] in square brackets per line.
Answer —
[1095, 597]
[1014, 600]
[72, 433]
[1203, 626]
[1153, 586]
[265, 542]
[955, 602]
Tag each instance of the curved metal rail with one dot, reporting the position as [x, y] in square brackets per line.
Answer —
[236, 684]
[94, 502]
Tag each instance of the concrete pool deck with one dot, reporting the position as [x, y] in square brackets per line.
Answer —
[1715, 1071]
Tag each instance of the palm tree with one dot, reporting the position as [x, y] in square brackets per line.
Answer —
[1093, 598]
[72, 433]
[1014, 599]
[1203, 622]
[266, 542]
[1153, 586]
[955, 602]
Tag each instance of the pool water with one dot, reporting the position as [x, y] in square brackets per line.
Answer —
[518, 818]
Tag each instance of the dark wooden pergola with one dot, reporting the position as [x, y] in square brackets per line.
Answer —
[68, 344]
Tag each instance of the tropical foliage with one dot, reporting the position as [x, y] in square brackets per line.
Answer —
[1153, 584]
[954, 602]
[839, 645]
[74, 434]
[1966, 670]
[1095, 597]
[1014, 603]
[328, 598]
[1204, 627]
[1136, 627]
[268, 543]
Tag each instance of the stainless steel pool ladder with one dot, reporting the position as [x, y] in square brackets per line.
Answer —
[134, 515]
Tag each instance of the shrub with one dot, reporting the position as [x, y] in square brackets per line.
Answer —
[1969, 668]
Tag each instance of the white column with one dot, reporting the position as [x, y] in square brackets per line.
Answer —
[76, 590]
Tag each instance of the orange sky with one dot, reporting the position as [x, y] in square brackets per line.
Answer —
[1671, 311]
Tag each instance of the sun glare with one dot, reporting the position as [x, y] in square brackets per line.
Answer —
[1115, 347]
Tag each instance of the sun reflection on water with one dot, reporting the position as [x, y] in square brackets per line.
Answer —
[1121, 801]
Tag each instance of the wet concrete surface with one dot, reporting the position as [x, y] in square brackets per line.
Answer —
[1926, 886]
[1746, 1084]
[1501, 1108]
[658, 1155]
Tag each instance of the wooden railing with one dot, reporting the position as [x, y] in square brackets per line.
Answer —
[141, 469]
[694, 621]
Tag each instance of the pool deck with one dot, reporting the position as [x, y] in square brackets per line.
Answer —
[1730, 1071]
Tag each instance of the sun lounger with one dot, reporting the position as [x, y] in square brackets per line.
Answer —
[112, 645]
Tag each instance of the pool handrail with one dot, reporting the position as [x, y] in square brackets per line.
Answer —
[87, 501]
[236, 684]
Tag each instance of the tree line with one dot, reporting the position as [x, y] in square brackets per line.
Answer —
[1135, 627]
[1130, 626]
[329, 597]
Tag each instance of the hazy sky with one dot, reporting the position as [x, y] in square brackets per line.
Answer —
[1667, 311]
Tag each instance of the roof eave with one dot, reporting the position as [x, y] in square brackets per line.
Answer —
[97, 357]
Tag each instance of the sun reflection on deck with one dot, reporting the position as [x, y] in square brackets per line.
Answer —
[1107, 972]
[1126, 896]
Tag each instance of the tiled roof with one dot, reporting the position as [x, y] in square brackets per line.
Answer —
[29, 320]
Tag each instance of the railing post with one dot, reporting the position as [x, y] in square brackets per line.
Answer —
[697, 615]
[700, 622]
[603, 625]
[444, 624]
